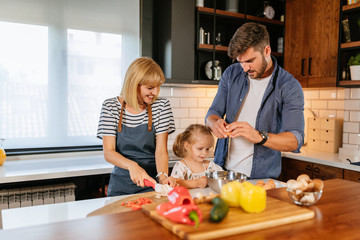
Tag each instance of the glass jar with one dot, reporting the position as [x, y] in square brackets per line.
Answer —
[2, 152]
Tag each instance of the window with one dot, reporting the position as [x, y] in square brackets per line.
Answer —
[60, 59]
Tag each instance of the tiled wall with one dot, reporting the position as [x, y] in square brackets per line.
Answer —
[190, 105]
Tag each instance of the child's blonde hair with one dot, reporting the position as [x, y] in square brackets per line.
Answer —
[188, 136]
[142, 71]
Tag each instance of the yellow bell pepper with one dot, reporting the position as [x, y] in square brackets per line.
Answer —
[252, 198]
[230, 193]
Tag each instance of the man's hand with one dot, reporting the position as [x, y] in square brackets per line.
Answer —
[245, 130]
[217, 126]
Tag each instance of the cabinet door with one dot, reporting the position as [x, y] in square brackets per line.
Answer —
[323, 29]
[296, 32]
[351, 175]
[295, 168]
[326, 172]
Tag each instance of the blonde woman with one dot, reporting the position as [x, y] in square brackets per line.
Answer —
[134, 128]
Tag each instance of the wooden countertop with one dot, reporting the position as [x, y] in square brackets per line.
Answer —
[337, 216]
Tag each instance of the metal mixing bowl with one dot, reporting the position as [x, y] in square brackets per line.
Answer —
[217, 179]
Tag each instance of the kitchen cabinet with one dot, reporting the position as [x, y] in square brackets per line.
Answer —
[350, 13]
[293, 168]
[311, 41]
[351, 175]
[219, 23]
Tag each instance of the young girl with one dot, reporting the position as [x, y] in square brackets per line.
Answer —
[134, 128]
[193, 146]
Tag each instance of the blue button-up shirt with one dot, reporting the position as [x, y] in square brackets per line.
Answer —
[281, 110]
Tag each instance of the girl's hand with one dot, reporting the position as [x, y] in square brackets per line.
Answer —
[138, 174]
[202, 182]
[171, 181]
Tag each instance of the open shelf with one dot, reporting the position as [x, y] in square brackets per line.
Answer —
[239, 15]
[349, 83]
[351, 6]
[210, 47]
[350, 45]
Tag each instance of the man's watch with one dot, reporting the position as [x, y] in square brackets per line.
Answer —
[264, 136]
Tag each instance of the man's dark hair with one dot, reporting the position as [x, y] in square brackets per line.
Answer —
[248, 35]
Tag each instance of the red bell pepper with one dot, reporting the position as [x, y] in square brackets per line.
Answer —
[180, 208]
[180, 196]
[188, 214]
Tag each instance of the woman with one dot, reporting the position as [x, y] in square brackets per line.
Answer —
[134, 128]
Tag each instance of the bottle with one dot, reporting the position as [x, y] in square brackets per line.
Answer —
[201, 36]
[343, 74]
[208, 38]
[217, 70]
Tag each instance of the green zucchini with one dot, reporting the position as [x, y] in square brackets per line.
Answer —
[219, 211]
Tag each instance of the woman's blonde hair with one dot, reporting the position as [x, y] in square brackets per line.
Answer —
[188, 136]
[142, 71]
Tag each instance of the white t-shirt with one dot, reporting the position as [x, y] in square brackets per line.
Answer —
[241, 150]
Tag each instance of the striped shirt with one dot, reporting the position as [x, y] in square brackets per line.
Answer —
[162, 117]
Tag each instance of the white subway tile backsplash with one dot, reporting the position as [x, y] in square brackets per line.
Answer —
[205, 102]
[327, 113]
[347, 93]
[355, 93]
[165, 92]
[354, 116]
[345, 138]
[352, 105]
[184, 123]
[201, 120]
[174, 102]
[311, 94]
[346, 116]
[307, 104]
[180, 112]
[180, 92]
[319, 104]
[197, 112]
[197, 92]
[211, 92]
[336, 104]
[188, 102]
[341, 94]
[354, 138]
[351, 127]
[328, 94]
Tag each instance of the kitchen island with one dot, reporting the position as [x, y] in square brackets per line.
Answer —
[336, 217]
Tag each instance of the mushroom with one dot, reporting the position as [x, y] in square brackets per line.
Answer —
[318, 184]
[308, 198]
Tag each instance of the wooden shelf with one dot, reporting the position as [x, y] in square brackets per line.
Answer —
[210, 47]
[351, 6]
[349, 83]
[239, 15]
[350, 44]
[225, 49]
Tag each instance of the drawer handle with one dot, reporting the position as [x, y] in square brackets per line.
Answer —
[316, 169]
[327, 131]
[308, 167]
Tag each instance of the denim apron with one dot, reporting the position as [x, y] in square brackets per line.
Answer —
[138, 145]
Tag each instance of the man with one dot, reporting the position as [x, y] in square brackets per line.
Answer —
[263, 105]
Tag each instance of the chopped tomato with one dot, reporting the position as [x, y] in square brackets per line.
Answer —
[137, 203]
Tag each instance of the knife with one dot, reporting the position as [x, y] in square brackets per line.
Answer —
[160, 188]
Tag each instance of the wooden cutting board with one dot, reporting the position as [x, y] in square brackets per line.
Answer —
[116, 207]
[237, 221]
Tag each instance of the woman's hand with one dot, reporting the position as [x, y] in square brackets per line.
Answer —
[138, 174]
[171, 181]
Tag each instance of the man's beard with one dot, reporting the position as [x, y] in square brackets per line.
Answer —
[262, 69]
